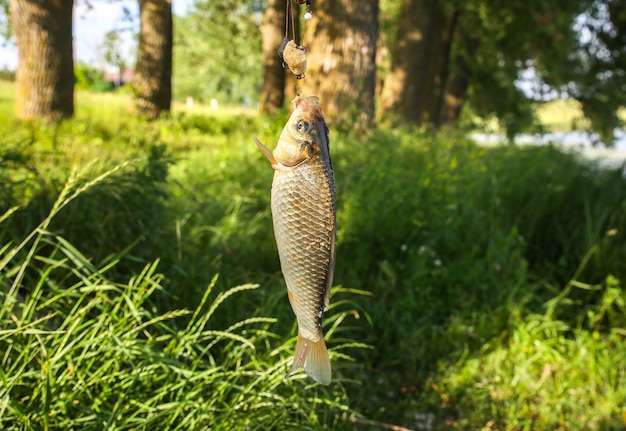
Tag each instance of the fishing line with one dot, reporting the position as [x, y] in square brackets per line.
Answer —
[287, 9]
[290, 14]
[294, 56]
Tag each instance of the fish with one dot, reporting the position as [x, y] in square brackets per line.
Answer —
[303, 206]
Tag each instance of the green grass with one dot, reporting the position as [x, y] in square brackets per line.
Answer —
[83, 351]
[142, 290]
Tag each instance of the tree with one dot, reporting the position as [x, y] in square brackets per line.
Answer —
[45, 71]
[341, 40]
[113, 55]
[594, 72]
[414, 76]
[5, 25]
[221, 60]
[153, 73]
[445, 51]
[272, 33]
[448, 53]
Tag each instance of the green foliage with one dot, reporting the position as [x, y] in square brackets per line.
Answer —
[218, 52]
[488, 281]
[7, 75]
[595, 71]
[573, 49]
[113, 53]
[576, 48]
[5, 25]
[90, 78]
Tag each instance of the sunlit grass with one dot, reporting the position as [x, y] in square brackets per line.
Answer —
[547, 377]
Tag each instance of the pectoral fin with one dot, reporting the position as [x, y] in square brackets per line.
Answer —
[266, 152]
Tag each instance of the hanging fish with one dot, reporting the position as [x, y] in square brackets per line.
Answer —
[303, 212]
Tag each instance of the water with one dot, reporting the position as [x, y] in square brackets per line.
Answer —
[581, 142]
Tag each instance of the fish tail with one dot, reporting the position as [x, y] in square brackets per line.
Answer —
[313, 357]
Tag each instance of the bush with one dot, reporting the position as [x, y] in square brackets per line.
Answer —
[90, 78]
[6, 74]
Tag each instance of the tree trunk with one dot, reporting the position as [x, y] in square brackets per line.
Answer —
[153, 74]
[443, 48]
[434, 62]
[402, 93]
[458, 82]
[341, 40]
[454, 99]
[45, 70]
[272, 33]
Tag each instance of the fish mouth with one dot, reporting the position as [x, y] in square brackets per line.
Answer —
[309, 105]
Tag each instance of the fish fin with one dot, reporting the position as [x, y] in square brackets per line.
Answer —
[313, 357]
[266, 152]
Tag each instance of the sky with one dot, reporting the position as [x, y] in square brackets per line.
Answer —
[90, 26]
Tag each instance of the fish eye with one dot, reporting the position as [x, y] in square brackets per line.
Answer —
[303, 126]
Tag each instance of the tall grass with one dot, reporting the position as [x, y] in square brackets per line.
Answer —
[83, 351]
[459, 244]
[488, 282]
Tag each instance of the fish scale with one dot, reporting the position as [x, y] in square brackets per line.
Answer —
[304, 231]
